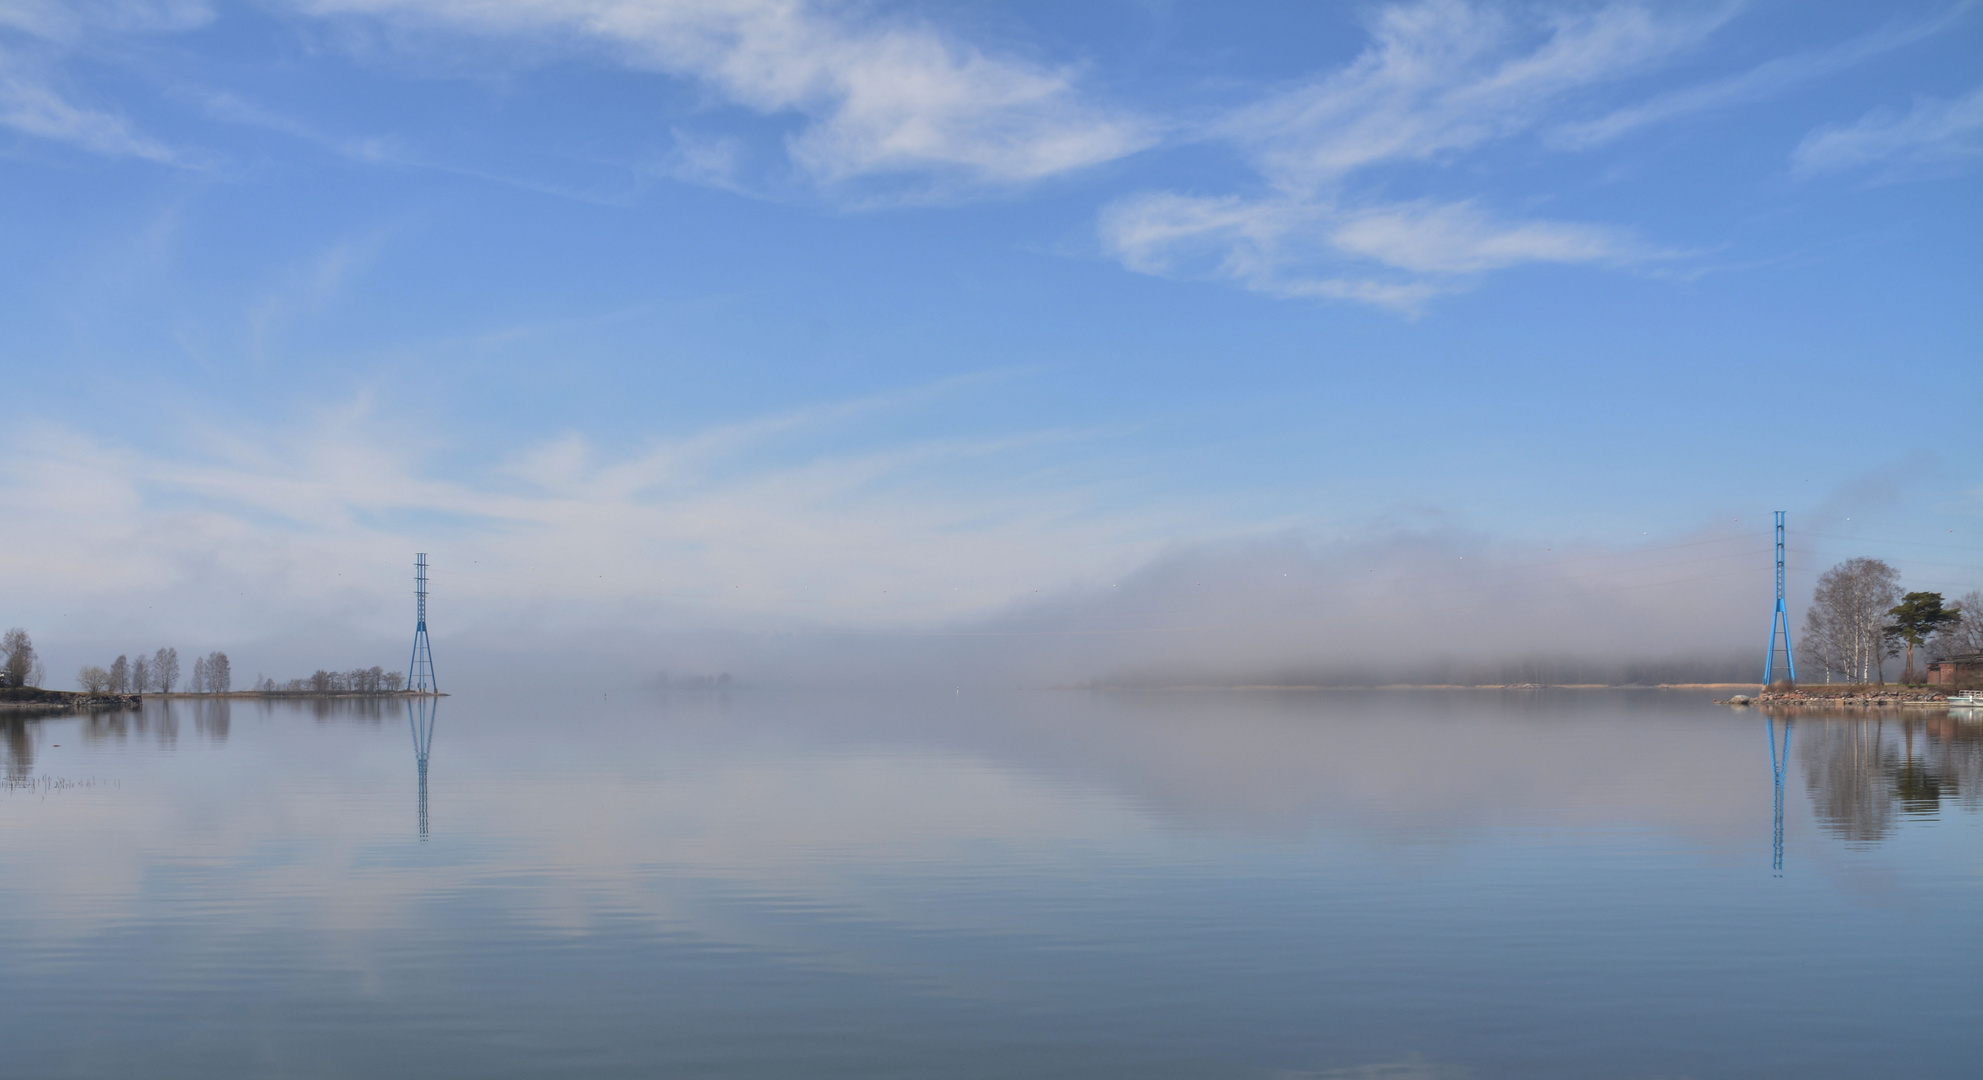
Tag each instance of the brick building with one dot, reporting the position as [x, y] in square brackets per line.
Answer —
[1963, 670]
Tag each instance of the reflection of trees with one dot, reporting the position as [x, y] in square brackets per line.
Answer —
[212, 719]
[361, 709]
[151, 720]
[1866, 775]
[1954, 752]
[158, 721]
[20, 751]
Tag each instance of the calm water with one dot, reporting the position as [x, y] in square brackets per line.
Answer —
[1371, 885]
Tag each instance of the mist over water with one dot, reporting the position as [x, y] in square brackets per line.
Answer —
[1401, 608]
[1346, 883]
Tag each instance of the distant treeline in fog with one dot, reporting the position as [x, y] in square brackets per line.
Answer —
[1436, 671]
[371, 680]
[213, 674]
[691, 682]
[157, 673]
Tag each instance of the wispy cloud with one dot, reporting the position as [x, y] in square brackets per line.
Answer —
[1766, 80]
[31, 105]
[67, 19]
[391, 151]
[880, 96]
[1395, 255]
[308, 289]
[32, 100]
[1438, 79]
[1934, 133]
[1457, 238]
[1446, 75]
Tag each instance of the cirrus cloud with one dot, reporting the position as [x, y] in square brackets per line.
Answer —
[1438, 79]
[1395, 255]
[1933, 133]
[878, 96]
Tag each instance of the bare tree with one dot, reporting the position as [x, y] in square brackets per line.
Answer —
[219, 678]
[120, 675]
[1964, 637]
[39, 678]
[393, 681]
[140, 675]
[165, 669]
[198, 683]
[1845, 627]
[93, 679]
[20, 657]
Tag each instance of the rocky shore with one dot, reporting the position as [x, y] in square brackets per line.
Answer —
[1871, 697]
[35, 699]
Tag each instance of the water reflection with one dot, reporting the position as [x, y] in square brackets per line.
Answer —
[1155, 885]
[159, 721]
[212, 719]
[1779, 762]
[20, 750]
[1865, 775]
[421, 720]
[364, 710]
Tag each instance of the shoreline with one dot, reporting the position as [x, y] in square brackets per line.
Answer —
[1857, 697]
[230, 695]
[31, 700]
[1333, 687]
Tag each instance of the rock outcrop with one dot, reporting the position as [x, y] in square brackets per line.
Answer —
[35, 699]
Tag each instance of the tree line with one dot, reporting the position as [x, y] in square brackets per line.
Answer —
[372, 680]
[158, 673]
[1859, 619]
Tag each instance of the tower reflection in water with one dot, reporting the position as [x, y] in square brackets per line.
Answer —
[420, 719]
[1779, 763]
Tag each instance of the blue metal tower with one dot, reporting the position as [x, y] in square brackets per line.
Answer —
[1780, 622]
[423, 741]
[420, 669]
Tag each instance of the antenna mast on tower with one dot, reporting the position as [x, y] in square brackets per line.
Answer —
[1779, 622]
[420, 670]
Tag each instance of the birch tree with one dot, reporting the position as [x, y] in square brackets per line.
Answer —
[1845, 626]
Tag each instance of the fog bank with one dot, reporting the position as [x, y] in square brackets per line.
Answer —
[1402, 607]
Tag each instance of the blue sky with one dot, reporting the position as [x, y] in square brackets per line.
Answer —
[898, 314]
